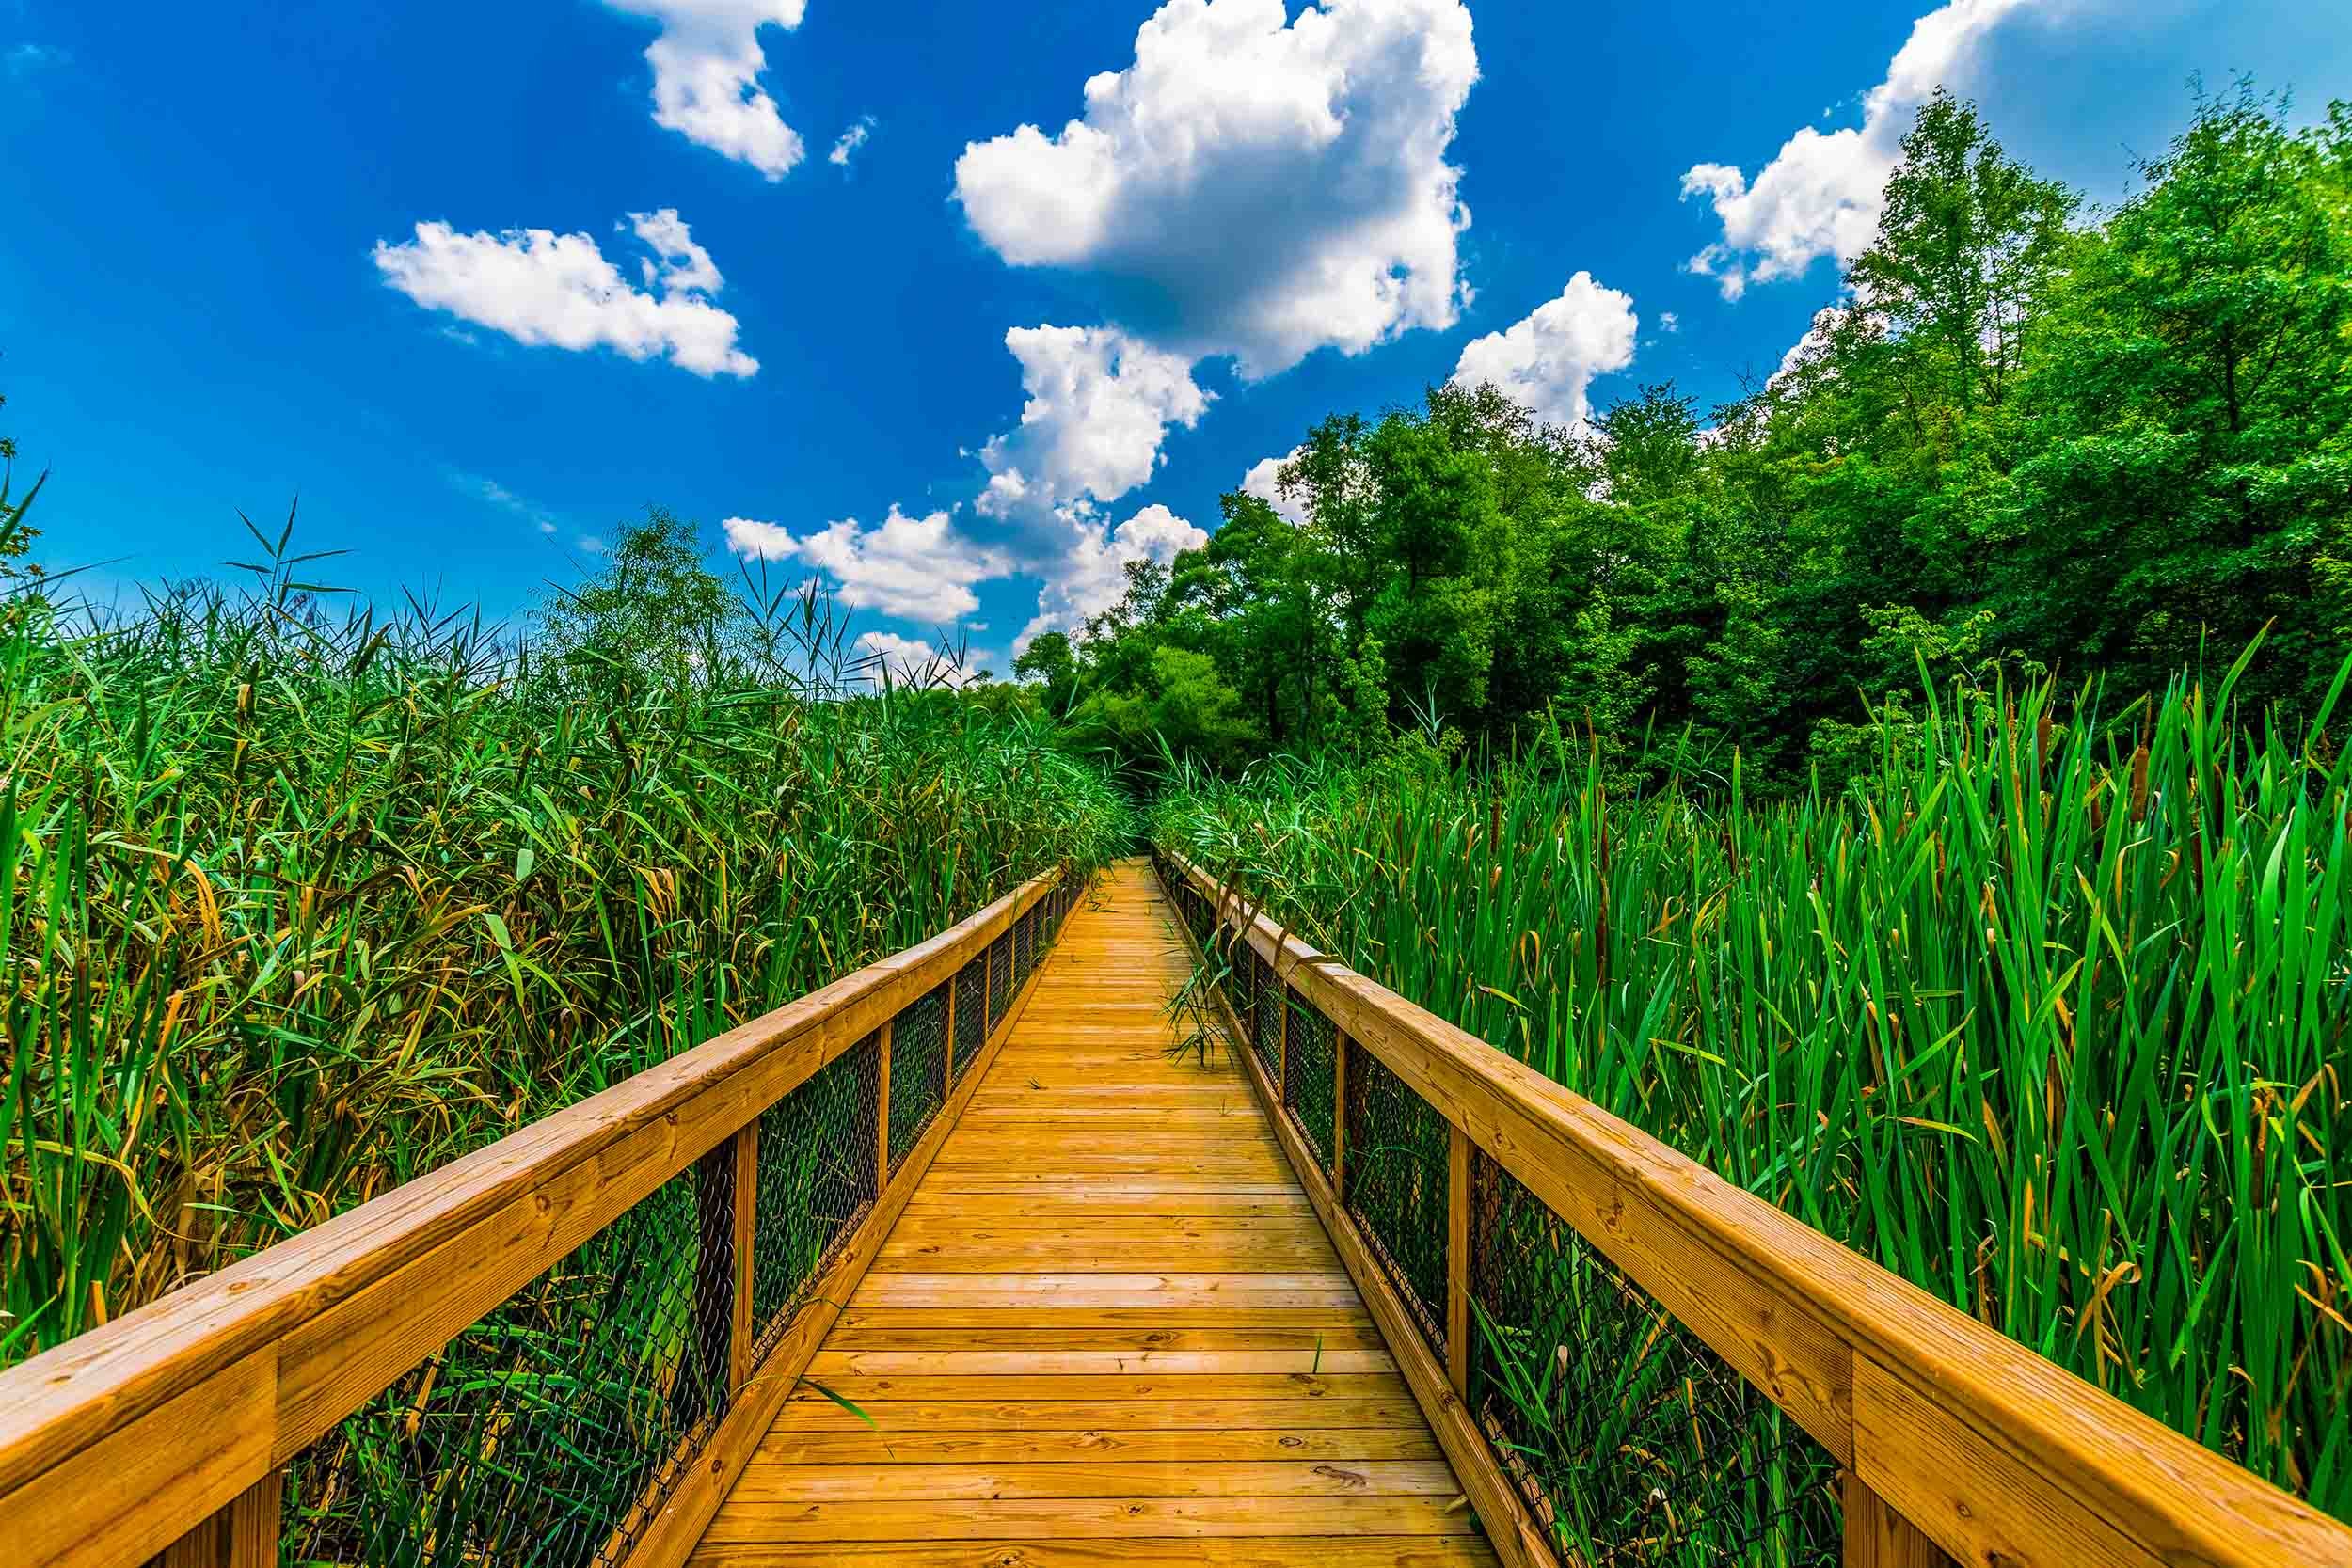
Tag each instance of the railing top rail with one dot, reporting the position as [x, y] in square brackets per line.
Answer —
[1998, 1455]
[180, 1405]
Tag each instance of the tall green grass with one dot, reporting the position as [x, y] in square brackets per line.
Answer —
[295, 906]
[2045, 1011]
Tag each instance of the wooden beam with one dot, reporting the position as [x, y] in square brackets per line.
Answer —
[746, 1197]
[1500, 1511]
[97, 1461]
[882, 1109]
[1339, 1114]
[241, 1534]
[1458, 1260]
[1992, 1451]
[1877, 1537]
[673, 1533]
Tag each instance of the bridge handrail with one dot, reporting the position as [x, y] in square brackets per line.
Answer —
[177, 1419]
[1954, 1440]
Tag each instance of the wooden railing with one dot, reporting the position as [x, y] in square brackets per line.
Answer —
[168, 1430]
[1951, 1442]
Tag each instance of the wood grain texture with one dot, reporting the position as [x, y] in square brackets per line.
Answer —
[1106, 1328]
[1994, 1455]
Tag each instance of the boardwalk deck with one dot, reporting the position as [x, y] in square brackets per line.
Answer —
[1107, 1328]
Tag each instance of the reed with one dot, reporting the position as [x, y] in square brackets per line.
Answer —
[2045, 1010]
[296, 905]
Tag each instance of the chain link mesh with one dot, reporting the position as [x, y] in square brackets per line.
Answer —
[1397, 1149]
[1635, 1445]
[548, 1432]
[1307, 1085]
[1023, 949]
[971, 1009]
[816, 1179]
[918, 1070]
[1265, 1014]
[999, 978]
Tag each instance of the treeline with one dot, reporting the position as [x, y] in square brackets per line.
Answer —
[2111, 444]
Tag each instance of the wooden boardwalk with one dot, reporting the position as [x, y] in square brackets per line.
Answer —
[1107, 1328]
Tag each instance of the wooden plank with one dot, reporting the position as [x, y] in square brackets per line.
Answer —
[958, 1482]
[746, 1221]
[1069, 1332]
[1087, 1518]
[1180, 1445]
[1310, 1360]
[243, 1534]
[864, 1388]
[1040, 1551]
[1457, 1261]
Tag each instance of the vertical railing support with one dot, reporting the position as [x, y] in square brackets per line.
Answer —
[746, 1148]
[1458, 1260]
[1339, 1116]
[241, 1534]
[881, 1108]
[1281, 1038]
[1879, 1537]
[710, 1340]
[947, 1057]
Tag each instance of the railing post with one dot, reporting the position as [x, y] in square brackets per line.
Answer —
[1339, 1117]
[1877, 1537]
[1282, 1036]
[241, 1534]
[882, 1109]
[1458, 1259]
[718, 1271]
[746, 1144]
[947, 1056]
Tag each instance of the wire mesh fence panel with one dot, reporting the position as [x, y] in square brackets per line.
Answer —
[1265, 1013]
[999, 978]
[1308, 1088]
[1024, 950]
[918, 1070]
[971, 1010]
[1634, 1444]
[816, 1179]
[1397, 1150]
[549, 1432]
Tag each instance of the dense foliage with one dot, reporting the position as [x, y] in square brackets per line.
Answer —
[2047, 1012]
[2084, 446]
[294, 906]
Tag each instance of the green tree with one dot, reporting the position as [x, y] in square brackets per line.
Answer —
[650, 614]
[2197, 382]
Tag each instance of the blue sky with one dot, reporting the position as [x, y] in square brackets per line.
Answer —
[261, 251]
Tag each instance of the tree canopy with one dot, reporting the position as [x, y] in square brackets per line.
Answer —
[2111, 446]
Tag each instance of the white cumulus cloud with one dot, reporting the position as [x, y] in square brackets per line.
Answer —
[1546, 361]
[1252, 184]
[542, 287]
[1099, 405]
[911, 661]
[706, 77]
[1821, 194]
[1091, 574]
[1264, 480]
[916, 568]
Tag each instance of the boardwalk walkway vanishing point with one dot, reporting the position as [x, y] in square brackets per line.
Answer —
[1108, 1326]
